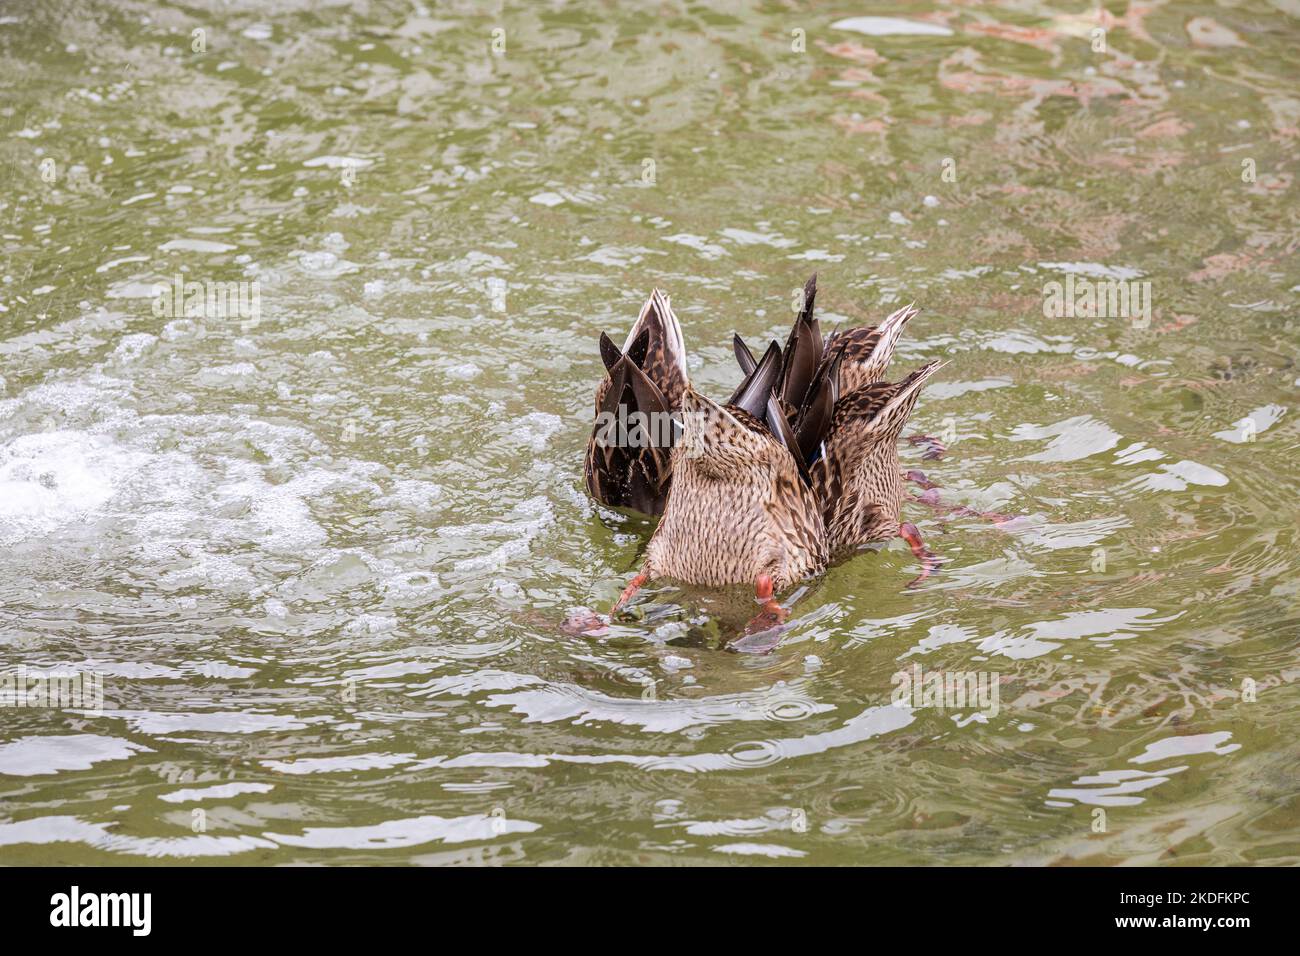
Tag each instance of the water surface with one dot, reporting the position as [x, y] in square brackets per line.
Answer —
[320, 559]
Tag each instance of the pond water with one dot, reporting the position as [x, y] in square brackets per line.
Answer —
[314, 553]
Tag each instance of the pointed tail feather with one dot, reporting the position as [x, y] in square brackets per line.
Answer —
[890, 330]
[753, 393]
[609, 353]
[639, 350]
[869, 360]
[803, 350]
[779, 425]
[817, 413]
[610, 393]
[665, 361]
[888, 420]
[744, 357]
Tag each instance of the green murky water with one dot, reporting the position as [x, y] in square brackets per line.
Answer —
[318, 554]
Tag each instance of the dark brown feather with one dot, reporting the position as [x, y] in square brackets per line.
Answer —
[609, 353]
[639, 350]
[744, 357]
[802, 355]
[622, 473]
[814, 419]
[648, 376]
[752, 394]
[780, 426]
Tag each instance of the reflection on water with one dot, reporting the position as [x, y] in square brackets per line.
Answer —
[318, 544]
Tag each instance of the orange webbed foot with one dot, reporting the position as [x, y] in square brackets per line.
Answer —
[930, 562]
[629, 592]
[584, 622]
[773, 615]
[920, 478]
[933, 447]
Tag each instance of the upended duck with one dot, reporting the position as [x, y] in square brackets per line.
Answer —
[643, 383]
[798, 467]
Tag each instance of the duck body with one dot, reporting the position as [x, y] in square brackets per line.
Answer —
[738, 510]
[859, 479]
[798, 467]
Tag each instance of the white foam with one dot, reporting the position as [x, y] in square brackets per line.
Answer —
[528, 519]
[50, 479]
[537, 428]
[174, 491]
[131, 347]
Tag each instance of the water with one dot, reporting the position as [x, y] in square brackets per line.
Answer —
[319, 558]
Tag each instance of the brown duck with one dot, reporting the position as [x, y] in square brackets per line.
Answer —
[799, 466]
[643, 383]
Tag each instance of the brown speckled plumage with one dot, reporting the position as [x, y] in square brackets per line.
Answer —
[738, 507]
[648, 375]
[778, 486]
[859, 480]
[867, 351]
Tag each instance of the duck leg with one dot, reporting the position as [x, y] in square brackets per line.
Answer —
[590, 624]
[773, 614]
[933, 447]
[931, 497]
[763, 633]
[629, 592]
[930, 562]
[920, 478]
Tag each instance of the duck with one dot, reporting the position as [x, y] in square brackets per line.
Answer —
[798, 468]
[643, 384]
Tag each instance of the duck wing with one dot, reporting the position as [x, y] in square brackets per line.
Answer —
[744, 357]
[813, 420]
[758, 396]
[628, 454]
[629, 451]
[664, 359]
[779, 424]
[856, 478]
[815, 373]
[795, 399]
